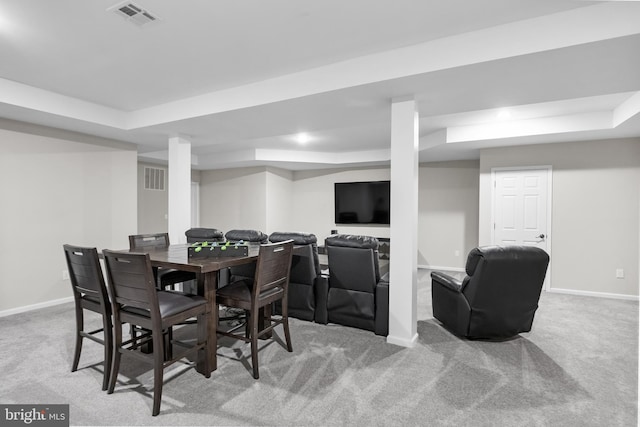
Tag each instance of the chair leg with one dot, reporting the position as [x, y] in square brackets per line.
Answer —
[108, 351]
[264, 321]
[168, 346]
[78, 347]
[285, 325]
[202, 338]
[134, 334]
[254, 343]
[247, 324]
[115, 363]
[158, 370]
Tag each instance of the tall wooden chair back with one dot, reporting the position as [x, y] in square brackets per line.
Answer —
[166, 277]
[89, 293]
[148, 241]
[272, 272]
[131, 281]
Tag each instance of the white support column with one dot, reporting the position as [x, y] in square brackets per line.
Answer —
[179, 188]
[403, 262]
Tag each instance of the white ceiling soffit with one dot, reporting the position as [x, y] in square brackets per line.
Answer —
[134, 13]
[558, 84]
[575, 115]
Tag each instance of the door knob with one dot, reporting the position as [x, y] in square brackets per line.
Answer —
[541, 236]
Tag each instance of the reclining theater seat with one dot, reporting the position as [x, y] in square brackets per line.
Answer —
[305, 278]
[357, 296]
[248, 236]
[204, 235]
[499, 296]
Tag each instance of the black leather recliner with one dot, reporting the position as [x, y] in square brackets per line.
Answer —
[357, 296]
[499, 296]
[248, 236]
[204, 235]
[305, 279]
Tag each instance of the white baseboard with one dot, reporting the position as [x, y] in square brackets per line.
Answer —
[403, 342]
[554, 290]
[594, 294]
[26, 308]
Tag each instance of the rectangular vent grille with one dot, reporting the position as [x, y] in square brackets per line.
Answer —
[154, 179]
[130, 10]
[133, 13]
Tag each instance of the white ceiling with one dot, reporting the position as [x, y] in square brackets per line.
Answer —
[241, 79]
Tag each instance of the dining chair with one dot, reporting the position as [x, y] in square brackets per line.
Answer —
[136, 300]
[166, 278]
[250, 237]
[305, 279]
[89, 293]
[255, 296]
[239, 272]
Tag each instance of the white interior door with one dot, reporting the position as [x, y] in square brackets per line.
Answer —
[522, 208]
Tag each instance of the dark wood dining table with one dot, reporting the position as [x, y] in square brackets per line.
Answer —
[206, 269]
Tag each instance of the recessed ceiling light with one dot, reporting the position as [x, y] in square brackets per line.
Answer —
[302, 138]
[5, 23]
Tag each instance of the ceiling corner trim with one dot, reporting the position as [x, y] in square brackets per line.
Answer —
[32, 98]
[524, 37]
[627, 109]
[531, 127]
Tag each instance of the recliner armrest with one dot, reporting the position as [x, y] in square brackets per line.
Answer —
[446, 281]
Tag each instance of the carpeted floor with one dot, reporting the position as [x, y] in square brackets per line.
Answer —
[578, 367]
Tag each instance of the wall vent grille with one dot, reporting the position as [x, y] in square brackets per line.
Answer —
[133, 13]
[154, 179]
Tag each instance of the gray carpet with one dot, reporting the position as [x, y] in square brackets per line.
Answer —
[578, 367]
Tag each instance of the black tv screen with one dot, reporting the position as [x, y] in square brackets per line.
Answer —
[362, 202]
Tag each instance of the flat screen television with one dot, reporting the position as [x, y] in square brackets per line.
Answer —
[362, 202]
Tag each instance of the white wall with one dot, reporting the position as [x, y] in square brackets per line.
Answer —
[57, 190]
[447, 217]
[270, 199]
[596, 210]
[447, 213]
[234, 199]
[313, 201]
[152, 204]
[279, 200]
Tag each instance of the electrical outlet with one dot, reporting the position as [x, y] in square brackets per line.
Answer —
[65, 274]
[619, 273]
[456, 252]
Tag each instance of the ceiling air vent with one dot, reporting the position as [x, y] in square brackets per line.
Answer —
[133, 13]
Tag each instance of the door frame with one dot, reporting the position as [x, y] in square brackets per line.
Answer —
[549, 169]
